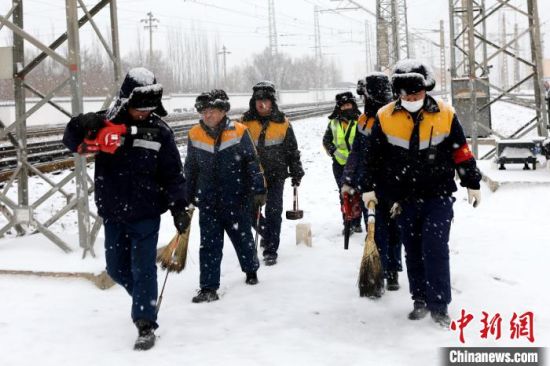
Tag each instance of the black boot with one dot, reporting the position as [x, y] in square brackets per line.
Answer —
[441, 318]
[392, 283]
[206, 295]
[357, 228]
[146, 335]
[420, 310]
[251, 278]
[270, 260]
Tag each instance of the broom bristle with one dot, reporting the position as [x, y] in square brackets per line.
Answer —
[371, 280]
[179, 258]
[173, 256]
[167, 252]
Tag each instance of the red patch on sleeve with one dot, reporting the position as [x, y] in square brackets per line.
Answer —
[462, 154]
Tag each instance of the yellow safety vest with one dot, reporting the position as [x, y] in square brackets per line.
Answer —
[339, 134]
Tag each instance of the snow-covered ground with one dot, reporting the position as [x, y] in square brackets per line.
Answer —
[306, 309]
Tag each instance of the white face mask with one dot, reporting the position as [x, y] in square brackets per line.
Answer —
[412, 106]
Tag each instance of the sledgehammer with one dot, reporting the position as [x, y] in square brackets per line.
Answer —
[295, 213]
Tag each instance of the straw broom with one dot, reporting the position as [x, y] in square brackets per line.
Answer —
[173, 256]
[371, 280]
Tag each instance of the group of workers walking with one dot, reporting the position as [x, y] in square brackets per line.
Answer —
[402, 153]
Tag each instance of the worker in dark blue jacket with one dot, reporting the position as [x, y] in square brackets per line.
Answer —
[415, 149]
[223, 173]
[376, 91]
[133, 187]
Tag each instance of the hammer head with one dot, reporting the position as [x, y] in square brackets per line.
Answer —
[294, 215]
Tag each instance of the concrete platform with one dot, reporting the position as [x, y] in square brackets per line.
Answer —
[514, 174]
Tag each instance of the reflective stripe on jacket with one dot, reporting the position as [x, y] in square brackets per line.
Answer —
[277, 148]
[222, 172]
[342, 138]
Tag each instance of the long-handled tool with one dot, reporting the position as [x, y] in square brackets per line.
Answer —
[173, 256]
[351, 208]
[295, 213]
[256, 235]
[371, 279]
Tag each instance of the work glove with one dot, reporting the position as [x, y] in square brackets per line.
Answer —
[369, 196]
[295, 181]
[259, 200]
[395, 210]
[182, 220]
[347, 189]
[474, 197]
[91, 122]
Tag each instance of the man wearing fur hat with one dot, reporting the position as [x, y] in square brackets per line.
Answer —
[276, 144]
[339, 137]
[133, 187]
[222, 172]
[376, 91]
[416, 146]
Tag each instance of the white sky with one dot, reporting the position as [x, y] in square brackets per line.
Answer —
[243, 25]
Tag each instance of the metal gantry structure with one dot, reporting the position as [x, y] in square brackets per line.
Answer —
[473, 91]
[21, 214]
[272, 27]
[392, 35]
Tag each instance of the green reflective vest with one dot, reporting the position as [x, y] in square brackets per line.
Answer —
[342, 138]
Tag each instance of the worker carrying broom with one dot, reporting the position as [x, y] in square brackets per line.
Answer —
[277, 148]
[222, 171]
[376, 91]
[338, 140]
[415, 147]
[134, 186]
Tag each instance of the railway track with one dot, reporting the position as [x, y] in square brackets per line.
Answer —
[47, 153]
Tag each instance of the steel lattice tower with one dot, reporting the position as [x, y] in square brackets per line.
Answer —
[392, 39]
[21, 215]
[471, 52]
[272, 28]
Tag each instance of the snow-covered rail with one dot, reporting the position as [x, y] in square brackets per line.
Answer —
[46, 151]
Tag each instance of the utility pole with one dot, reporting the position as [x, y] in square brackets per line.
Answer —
[224, 52]
[392, 36]
[317, 46]
[536, 56]
[149, 21]
[442, 61]
[471, 62]
[503, 55]
[318, 51]
[20, 103]
[516, 52]
[368, 65]
[272, 28]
